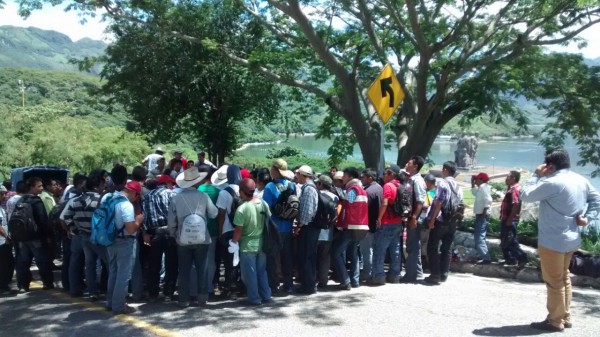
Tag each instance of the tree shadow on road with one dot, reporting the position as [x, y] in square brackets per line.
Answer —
[509, 330]
[591, 303]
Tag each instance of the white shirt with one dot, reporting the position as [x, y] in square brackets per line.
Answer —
[483, 198]
[4, 224]
[10, 205]
[152, 160]
[224, 201]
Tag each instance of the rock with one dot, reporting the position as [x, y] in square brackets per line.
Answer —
[529, 275]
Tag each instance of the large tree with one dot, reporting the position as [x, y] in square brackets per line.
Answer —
[453, 58]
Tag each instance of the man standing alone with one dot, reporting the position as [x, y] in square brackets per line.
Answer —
[563, 195]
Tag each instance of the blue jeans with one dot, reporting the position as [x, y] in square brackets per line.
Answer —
[338, 255]
[414, 268]
[481, 226]
[121, 257]
[92, 253]
[387, 238]
[366, 248]
[76, 263]
[254, 275]
[198, 256]
[211, 265]
[26, 251]
[66, 259]
[137, 276]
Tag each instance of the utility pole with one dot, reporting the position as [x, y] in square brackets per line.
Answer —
[22, 89]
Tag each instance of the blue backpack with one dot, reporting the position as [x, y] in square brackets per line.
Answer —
[104, 227]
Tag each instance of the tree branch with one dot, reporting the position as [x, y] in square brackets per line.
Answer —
[422, 44]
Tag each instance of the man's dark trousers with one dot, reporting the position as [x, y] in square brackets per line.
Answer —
[307, 257]
[439, 260]
[161, 244]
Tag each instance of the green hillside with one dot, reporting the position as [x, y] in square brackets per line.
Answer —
[35, 48]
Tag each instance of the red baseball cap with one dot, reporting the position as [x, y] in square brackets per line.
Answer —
[164, 179]
[134, 186]
[245, 173]
[482, 176]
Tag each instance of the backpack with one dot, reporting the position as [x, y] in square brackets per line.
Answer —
[193, 228]
[326, 215]
[104, 226]
[453, 210]
[234, 204]
[22, 226]
[54, 216]
[271, 238]
[286, 206]
[403, 205]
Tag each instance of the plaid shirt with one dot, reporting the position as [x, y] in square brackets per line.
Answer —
[512, 197]
[156, 208]
[309, 201]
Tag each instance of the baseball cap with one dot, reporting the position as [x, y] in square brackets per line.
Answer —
[482, 176]
[306, 171]
[165, 178]
[134, 186]
[325, 180]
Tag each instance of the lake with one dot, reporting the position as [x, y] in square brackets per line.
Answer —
[521, 153]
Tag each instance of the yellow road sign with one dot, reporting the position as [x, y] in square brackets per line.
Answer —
[386, 93]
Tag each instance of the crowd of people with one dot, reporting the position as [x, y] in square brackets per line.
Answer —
[191, 232]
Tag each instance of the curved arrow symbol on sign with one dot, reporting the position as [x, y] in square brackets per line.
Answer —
[386, 88]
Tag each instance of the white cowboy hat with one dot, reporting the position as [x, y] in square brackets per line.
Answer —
[220, 176]
[190, 177]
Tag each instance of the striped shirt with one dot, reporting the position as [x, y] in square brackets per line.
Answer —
[156, 208]
[78, 212]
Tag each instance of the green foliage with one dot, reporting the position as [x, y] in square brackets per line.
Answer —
[288, 151]
[206, 97]
[58, 87]
[590, 242]
[46, 134]
[46, 50]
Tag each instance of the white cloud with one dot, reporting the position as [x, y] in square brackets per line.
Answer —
[55, 18]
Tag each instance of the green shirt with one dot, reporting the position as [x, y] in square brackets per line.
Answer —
[213, 195]
[48, 201]
[249, 216]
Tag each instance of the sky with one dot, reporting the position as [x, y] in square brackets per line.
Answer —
[68, 23]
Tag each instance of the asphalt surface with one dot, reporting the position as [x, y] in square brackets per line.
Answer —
[465, 305]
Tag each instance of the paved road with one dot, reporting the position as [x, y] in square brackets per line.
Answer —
[465, 305]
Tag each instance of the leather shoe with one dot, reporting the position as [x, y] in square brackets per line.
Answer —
[546, 326]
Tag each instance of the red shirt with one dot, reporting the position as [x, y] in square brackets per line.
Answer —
[389, 192]
[512, 197]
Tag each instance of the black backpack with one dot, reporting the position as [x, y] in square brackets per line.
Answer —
[234, 204]
[326, 215]
[287, 204]
[54, 216]
[453, 210]
[22, 226]
[272, 243]
[403, 205]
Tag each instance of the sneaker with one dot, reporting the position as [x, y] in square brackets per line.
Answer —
[127, 310]
[346, 286]
[406, 280]
[23, 290]
[547, 326]
[432, 280]
[376, 282]
[94, 298]
[522, 263]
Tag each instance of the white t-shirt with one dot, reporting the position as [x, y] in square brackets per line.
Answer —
[224, 201]
[4, 224]
[10, 205]
[152, 161]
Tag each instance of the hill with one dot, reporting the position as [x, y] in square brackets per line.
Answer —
[35, 48]
[44, 87]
